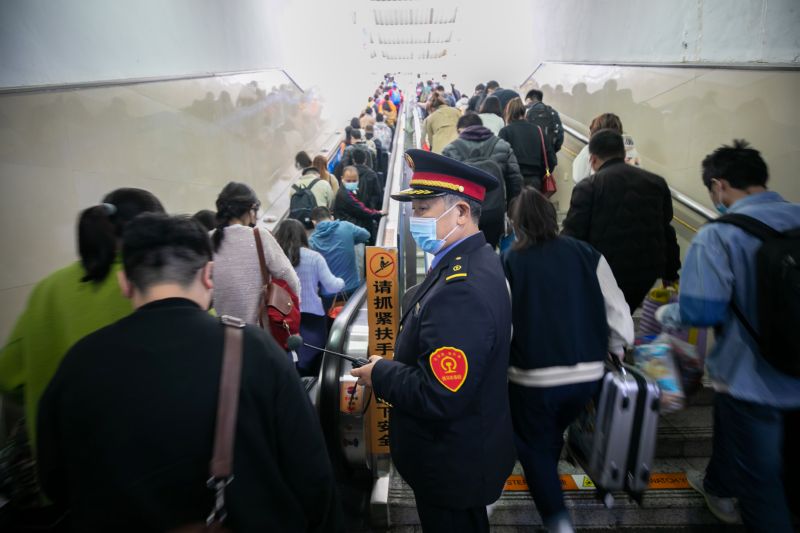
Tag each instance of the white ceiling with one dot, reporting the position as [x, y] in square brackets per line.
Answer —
[408, 30]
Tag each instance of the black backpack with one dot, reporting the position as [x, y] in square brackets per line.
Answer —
[777, 293]
[542, 116]
[482, 159]
[302, 202]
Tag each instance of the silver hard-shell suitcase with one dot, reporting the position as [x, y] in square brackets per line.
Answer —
[613, 439]
[644, 435]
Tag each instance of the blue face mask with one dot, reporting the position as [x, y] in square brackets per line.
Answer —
[351, 186]
[423, 230]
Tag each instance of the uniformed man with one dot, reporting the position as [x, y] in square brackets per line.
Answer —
[450, 427]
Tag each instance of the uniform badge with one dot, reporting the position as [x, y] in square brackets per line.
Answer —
[410, 162]
[449, 366]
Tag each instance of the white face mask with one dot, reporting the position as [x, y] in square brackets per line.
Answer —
[423, 230]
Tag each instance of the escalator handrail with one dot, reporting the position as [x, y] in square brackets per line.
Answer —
[694, 206]
[417, 128]
[397, 151]
[332, 366]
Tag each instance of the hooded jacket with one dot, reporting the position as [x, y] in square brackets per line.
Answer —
[336, 241]
[473, 137]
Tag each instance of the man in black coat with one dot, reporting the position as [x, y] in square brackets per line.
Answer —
[625, 213]
[369, 188]
[126, 426]
[450, 428]
[348, 204]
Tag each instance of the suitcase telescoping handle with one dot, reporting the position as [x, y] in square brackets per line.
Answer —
[617, 365]
[615, 362]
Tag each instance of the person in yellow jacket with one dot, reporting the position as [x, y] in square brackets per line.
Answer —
[389, 112]
[439, 128]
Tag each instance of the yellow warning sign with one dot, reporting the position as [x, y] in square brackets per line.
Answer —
[382, 314]
[658, 481]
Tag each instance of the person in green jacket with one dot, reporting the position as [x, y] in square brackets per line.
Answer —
[71, 302]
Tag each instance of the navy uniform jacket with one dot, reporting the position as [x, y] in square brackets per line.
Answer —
[455, 449]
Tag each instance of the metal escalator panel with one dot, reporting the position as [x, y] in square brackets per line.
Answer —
[340, 403]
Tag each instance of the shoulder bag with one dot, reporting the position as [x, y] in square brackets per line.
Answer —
[548, 181]
[221, 466]
[279, 308]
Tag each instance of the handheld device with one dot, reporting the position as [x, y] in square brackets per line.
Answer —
[295, 341]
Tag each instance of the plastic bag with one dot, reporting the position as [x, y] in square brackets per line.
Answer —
[657, 361]
[690, 361]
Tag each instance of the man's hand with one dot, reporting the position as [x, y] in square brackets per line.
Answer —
[364, 373]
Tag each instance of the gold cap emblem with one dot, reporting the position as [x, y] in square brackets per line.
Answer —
[410, 161]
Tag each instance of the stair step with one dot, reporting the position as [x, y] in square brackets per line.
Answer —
[661, 510]
[686, 433]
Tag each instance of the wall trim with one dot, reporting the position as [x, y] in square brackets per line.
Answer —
[711, 66]
[57, 87]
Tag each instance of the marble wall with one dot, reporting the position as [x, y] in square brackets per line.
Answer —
[679, 115]
[62, 150]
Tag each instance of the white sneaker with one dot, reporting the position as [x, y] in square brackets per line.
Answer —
[723, 508]
[560, 525]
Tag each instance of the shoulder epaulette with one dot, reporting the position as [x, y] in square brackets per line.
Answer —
[457, 270]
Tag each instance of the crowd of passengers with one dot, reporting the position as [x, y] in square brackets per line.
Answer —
[120, 387]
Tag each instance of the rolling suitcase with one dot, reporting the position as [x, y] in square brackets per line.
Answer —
[642, 449]
[613, 439]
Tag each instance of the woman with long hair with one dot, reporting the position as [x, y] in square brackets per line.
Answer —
[492, 114]
[237, 274]
[568, 313]
[313, 272]
[527, 142]
[321, 164]
[72, 302]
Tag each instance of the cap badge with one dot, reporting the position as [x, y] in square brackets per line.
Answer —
[410, 161]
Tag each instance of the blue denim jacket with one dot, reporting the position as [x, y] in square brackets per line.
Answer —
[719, 267]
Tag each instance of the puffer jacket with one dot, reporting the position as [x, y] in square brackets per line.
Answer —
[473, 137]
[626, 213]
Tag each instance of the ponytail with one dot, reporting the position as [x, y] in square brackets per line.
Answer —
[100, 228]
[233, 201]
[97, 242]
[216, 239]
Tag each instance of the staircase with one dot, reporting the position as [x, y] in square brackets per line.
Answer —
[684, 443]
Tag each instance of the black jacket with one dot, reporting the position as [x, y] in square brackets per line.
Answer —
[455, 448]
[369, 188]
[127, 424]
[626, 213]
[567, 325]
[347, 206]
[526, 142]
[347, 156]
